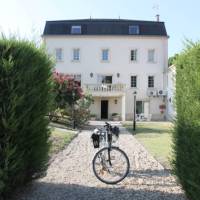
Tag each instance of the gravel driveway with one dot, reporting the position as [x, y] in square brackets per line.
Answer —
[70, 176]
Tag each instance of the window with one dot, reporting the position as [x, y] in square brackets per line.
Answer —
[151, 55]
[150, 81]
[59, 55]
[134, 81]
[104, 79]
[76, 30]
[139, 107]
[134, 30]
[76, 54]
[134, 55]
[105, 55]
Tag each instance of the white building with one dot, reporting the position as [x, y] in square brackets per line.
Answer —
[171, 88]
[113, 59]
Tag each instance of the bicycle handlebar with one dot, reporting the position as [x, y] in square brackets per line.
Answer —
[107, 125]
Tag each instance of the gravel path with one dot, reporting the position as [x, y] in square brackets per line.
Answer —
[70, 176]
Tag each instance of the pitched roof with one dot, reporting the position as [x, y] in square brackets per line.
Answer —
[105, 27]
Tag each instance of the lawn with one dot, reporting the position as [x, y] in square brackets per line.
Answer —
[59, 139]
[156, 138]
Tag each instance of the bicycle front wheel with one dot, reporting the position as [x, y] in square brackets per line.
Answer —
[111, 165]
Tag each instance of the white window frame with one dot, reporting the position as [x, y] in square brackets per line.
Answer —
[153, 81]
[76, 58]
[133, 75]
[151, 59]
[108, 56]
[134, 55]
[61, 56]
[76, 27]
[101, 76]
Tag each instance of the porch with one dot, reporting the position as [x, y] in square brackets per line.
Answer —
[108, 108]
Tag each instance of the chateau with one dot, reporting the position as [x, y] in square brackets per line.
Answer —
[114, 59]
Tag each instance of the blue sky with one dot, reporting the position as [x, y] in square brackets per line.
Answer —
[27, 18]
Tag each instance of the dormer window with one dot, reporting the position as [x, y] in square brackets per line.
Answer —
[134, 30]
[76, 30]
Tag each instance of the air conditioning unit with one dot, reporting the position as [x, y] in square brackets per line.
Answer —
[151, 93]
[162, 93]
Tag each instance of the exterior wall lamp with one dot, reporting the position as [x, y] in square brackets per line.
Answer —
[118, 75]
[91, 74]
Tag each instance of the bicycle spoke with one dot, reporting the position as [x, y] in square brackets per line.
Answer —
[113, 170]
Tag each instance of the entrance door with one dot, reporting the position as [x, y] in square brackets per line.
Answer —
[104, 109]
[139, 107]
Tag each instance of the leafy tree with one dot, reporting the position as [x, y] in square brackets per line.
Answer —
[66, 90]
[69, 96]
[172, 59]
[82, 112]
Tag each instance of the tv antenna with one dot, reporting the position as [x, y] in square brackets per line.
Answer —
[156, 9]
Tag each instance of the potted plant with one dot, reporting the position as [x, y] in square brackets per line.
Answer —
[115, 117]
[93, 117]
[162, 108]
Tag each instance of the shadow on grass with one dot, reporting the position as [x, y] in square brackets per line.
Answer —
[52, 191]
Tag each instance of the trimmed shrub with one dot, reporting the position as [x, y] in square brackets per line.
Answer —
[186, 134]
[25, 85]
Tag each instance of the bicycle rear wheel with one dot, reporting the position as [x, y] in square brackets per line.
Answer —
[111, 165]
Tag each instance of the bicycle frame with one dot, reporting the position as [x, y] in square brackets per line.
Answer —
[108, 155]
[107, 142]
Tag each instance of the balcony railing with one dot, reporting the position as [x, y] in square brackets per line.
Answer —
[105, 88]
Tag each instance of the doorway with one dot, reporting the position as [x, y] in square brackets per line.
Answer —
[104, 79]
[139, 107]
[104, 109]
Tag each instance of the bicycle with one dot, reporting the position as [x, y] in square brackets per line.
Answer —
[110, 164]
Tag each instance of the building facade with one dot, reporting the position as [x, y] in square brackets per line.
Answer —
[113, 59]
[171, 89]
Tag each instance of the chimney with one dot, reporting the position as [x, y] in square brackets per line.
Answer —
[157, 17]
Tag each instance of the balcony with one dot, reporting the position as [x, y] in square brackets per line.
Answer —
[105, 89]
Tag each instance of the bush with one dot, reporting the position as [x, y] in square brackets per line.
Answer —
[186, 134]
[66, 90]
[93, 115]
[82, 112]
[115, 114]
[25, 84]
[68, 96]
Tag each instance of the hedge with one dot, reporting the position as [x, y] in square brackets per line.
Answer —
[186, 134]
[25, 85]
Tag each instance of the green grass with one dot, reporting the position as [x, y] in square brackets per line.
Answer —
[59, 139]
[156, 138]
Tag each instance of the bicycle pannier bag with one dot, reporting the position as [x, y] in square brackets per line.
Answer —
[95, 139]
